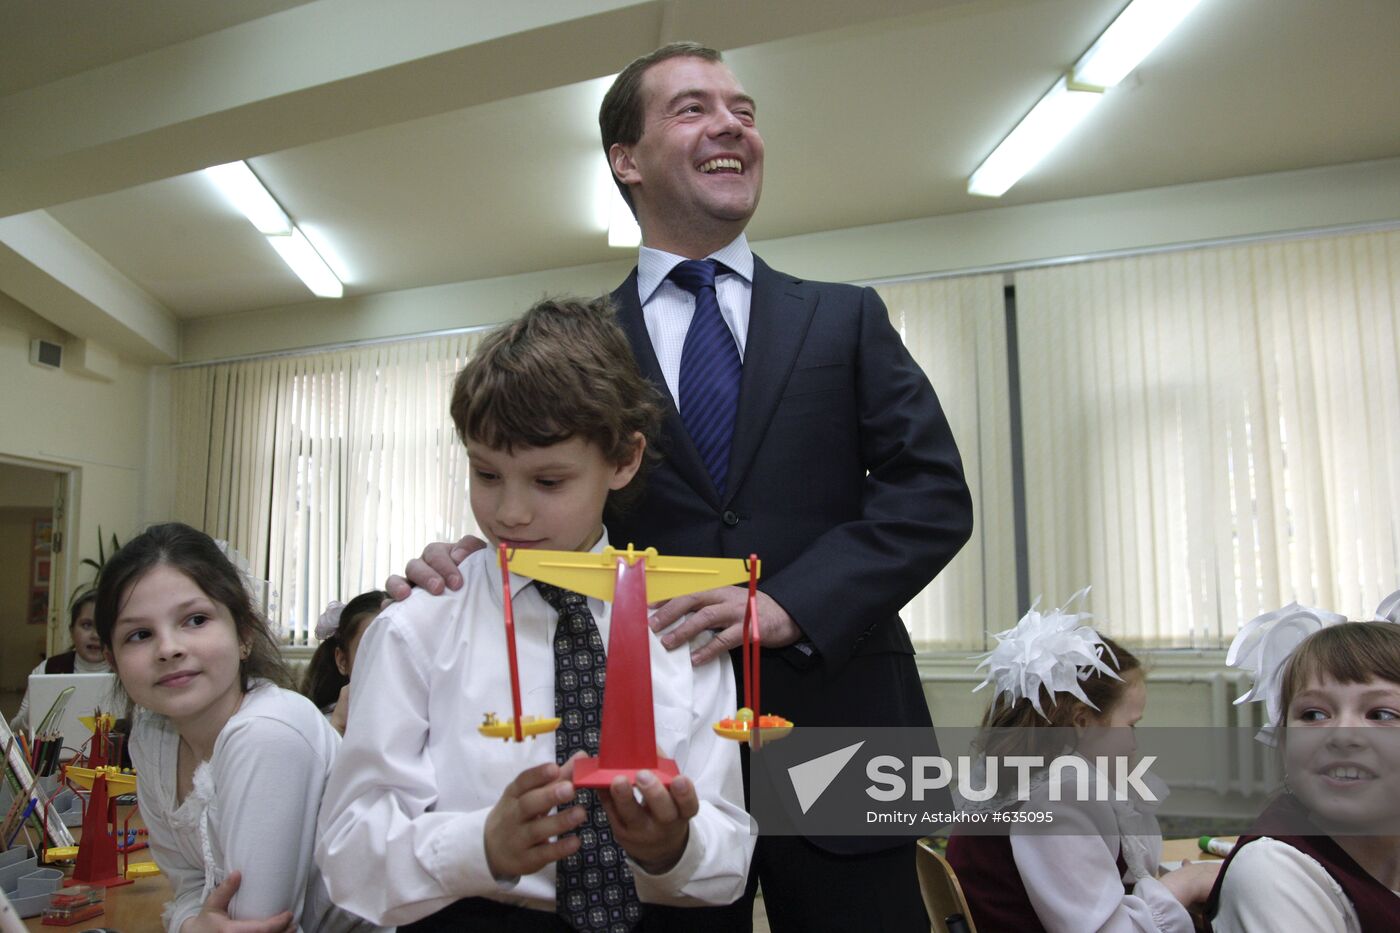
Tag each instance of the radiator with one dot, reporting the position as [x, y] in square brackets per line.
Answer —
[1247, 767]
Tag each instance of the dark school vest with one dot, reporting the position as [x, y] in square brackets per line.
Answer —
[995, 893]
[1378, 907]
[61, 663]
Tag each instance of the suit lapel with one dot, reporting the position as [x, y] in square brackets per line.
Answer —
[676, 445]
[780, 311]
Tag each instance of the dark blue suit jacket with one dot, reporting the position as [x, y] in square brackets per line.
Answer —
[843, 477]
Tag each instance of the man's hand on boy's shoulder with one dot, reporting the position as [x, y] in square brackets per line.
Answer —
[722, 610]
[436, 569]
[520, 825]
[653, 832]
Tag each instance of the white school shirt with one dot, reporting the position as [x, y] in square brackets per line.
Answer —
[1071, 876]
[252, 809]
[667, 308]
[402, 825]
[1272, 886]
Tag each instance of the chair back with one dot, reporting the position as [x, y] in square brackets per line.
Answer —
[943, 896]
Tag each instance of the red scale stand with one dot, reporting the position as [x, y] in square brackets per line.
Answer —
[628, 740]
[97, 849]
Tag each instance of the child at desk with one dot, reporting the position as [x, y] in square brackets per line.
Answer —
[230, 764]
[431, 826]
[1325, 855]
[340, 630]
[1099, 871]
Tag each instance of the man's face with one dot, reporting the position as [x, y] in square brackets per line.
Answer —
[698, 167]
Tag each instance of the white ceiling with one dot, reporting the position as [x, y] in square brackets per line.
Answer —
[421, 151]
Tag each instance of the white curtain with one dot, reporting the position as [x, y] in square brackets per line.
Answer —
[1211, 433]
[328, 471]
[956, 330]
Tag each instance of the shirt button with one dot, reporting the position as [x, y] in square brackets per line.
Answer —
[730, 517]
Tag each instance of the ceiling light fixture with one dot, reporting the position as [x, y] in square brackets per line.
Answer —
[238, 183]
[296, 251]
[1129, 39]
[1050, 120]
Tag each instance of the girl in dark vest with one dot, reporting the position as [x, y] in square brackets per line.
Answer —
[1306, 865]
[1064, 690]
[85, 657]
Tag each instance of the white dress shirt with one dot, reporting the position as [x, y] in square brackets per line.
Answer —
[1273, 886]
[252, 809]
[402, 831]
[1071, 876]
[667, 308]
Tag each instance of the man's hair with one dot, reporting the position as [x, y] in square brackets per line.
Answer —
[563, 369]
[621, 116]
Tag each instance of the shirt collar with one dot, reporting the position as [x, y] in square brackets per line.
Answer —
[653, 265]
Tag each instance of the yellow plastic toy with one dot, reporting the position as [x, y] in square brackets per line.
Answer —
[118, 781]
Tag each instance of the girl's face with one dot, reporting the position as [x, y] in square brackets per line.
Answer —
[1110, 731]
[176, 650]
[345, 657]
[1342, 753]
[84, 634]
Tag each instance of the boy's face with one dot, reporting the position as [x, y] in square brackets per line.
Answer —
[545, 497]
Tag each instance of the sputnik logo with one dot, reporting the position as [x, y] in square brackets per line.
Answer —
[811, 778]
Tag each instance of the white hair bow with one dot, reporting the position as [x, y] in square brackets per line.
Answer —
[329, 622]
[1389, 609]
[1052, 651]
[1263, 647]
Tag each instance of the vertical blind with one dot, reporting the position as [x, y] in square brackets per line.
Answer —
[1211, 433]
[328, 471]
[1207, 435]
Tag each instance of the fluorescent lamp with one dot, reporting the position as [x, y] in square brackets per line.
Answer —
[1130, 38]
[296, 251]
[238, 183]
[1040, 131]
[622, 226]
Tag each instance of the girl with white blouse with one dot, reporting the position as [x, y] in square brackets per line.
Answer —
[1063, 690]
[1325, 855]
[230, 765]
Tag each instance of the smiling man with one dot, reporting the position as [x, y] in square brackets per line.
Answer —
[799, 429]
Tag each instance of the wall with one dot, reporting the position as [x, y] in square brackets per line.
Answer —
[60, 420]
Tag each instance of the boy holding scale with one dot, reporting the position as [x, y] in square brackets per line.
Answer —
[429, 824]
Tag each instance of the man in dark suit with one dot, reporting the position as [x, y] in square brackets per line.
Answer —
[835, 465]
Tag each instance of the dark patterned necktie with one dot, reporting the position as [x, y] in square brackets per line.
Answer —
[710, 370]
[593, 887]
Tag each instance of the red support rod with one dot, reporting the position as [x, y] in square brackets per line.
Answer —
[510, 642]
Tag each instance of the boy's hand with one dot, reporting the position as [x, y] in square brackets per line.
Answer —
[722, 609]
[214, 918]
[519, 827]
[438, 563]
[654, 832]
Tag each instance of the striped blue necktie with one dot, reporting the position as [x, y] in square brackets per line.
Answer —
[710, 368]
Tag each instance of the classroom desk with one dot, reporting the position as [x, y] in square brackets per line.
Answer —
[1175, 850]
[130, 908]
